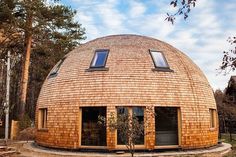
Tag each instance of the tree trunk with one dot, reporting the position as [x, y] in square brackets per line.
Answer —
[133, 149]
[25, 68]
[230, 130]
[1, 73]
[224, 126]
[2, 88]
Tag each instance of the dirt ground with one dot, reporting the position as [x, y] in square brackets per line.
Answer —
[21, 150]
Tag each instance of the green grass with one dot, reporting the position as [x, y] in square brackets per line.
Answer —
[226, 138]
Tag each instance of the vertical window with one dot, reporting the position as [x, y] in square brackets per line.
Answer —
[121, 111]
[57, 67]
[137, 112]
[159, 59]
[99, 59]
[92, 133]
[212, 118]
[42, 121]
[166, 126]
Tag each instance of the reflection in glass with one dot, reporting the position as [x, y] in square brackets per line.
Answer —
[138, 112]
[121, 111]
[93, 134]
[159, 59]
[99, 59]
[166, 125]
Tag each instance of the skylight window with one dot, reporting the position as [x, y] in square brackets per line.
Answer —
[99, 59]
[159, 59]
[57, 67]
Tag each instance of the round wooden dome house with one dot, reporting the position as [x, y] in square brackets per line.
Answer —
[126, 73]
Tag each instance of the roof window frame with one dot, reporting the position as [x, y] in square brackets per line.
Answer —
[104, 63]
[156, 67]
[54, 72]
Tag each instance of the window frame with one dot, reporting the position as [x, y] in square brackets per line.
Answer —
[178, 129]
[156, 67]
[105, 61]
[80, 114]
[42, 118]
[130, 112]
[56, 68]
[213, 118]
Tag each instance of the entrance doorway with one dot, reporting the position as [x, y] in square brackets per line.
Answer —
[92, 133]
[166, 126]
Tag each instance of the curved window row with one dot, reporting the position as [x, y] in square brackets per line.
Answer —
[100, 57]
[159, 60]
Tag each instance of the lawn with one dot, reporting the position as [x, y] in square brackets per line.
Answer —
[226, 138]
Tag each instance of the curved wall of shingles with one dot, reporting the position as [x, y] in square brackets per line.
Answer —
[130, 81]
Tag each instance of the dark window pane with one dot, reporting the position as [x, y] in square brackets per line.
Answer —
[57, 67]
[138, 112]
[99, 59]
[93, 134]
[166, 125]
[159, 59]
[121, 111]
[44, 124]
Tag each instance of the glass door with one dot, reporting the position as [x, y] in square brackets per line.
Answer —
[92, 133]
[166, 126]
[128, 116]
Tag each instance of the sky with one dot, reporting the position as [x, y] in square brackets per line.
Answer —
[203, 36]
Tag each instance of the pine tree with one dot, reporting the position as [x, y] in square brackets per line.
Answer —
[36, 26]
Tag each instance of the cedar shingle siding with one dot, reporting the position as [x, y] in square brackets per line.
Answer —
[128, 79]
